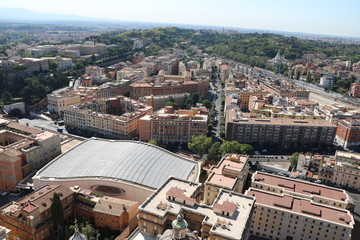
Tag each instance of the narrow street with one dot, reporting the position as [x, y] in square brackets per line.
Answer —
[217, 101]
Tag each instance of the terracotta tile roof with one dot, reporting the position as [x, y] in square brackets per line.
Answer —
[29, 130]
[179, 193]
[226, 206]
[43, 197]
[301, 187]
[112, 206]
[300, 206]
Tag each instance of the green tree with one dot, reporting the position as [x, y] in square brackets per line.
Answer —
[207, 103]
[57, 211]
[293, 160]
[235, 147]
[6, 97]
[173, 104]
[214, 153]
[60, 233]
[90, 232]
[246, 149]
[195, 98]
[200, 144]
[152, 141]
[52, 64]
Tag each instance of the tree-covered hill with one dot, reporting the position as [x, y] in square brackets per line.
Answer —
[249, 48]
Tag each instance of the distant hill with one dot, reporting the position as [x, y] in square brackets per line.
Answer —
[22, 14]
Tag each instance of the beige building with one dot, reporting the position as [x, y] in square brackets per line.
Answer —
[24, 149]
[60, 99]
[178, 126]
[342, 170]
[230, 174]
[110, 118]
[283, 216]
[229, 217]
[317, 193]
[159, 101]
[282, 132]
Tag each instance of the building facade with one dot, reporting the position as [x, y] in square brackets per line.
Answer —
[24, 149]
[284, 216]
[29, 218]
[110, 118]
[348, 133]
[284, 133]
[174, 126]
[228, 218]
[230, 174]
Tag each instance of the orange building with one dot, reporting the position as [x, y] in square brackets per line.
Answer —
[30, 217]
[355, 90]
[115, 214]
[169, 125]
[348, 133]
[24, 149]
[145, 89]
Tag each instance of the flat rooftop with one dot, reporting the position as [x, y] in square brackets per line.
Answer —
[299, 186]
[302, 206]
[229, 227]
[131, 161]
[277, 121]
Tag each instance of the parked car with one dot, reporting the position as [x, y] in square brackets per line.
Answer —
[318, 181]
[4, 193]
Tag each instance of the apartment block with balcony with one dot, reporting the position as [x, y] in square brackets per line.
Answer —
[230, 174]
[284, 133]
[60, 99]
[174, 126]
[348, 133]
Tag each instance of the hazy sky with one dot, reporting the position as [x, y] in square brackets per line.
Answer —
[308, 16]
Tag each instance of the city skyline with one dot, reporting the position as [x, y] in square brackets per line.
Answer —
[320, 17]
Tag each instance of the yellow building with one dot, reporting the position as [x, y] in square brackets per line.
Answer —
[59, 100]
[230, 174]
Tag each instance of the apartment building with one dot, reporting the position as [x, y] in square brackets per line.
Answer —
[115, 214]
[29, 218]
[283, 216]
[178, 201]
[61, 62]
[342, 170]
[317, 193]
[24, 149]
[285, 89]
[174, 126]
[35, 64]
[109, 118]
[88, 48]
[200, 86]
[284, 133]
[60, 99]
[230, 174]
[348, 133]
[159, 101]
[354, 90]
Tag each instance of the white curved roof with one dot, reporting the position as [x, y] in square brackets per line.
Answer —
[131, 161]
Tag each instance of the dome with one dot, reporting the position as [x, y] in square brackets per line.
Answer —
[179, 222]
